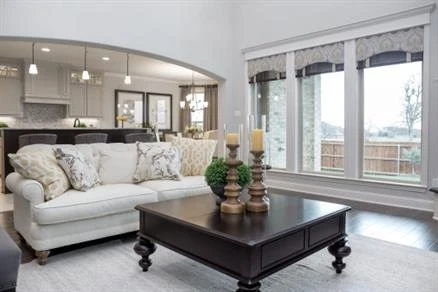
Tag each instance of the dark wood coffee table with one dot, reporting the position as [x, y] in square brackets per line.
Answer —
[247, 247]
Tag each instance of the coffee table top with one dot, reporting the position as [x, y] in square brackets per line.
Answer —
[286, 213]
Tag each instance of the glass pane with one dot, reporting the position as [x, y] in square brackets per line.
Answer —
[197, 108]
[270, 114]
[323, 123]
[9, 71]
[392, 122]
[95, 79]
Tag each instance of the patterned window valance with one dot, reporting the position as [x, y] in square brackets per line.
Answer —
[333, 53]
[410, 41]
[271, 63]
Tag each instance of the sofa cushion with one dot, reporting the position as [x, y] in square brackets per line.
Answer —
[156, 162]
[117, 166]
[196, 154]
[42, 167]
[172, 189]
[79, 170]
[96, 202]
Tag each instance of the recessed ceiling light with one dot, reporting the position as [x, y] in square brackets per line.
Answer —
[45, 50]
[105, 58]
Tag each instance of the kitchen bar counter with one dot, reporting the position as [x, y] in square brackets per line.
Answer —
[9, 141]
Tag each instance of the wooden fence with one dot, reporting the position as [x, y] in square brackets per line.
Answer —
[380, 157]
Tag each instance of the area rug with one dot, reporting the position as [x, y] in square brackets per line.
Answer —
[373, 265]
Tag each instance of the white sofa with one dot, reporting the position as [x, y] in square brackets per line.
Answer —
[102, 211]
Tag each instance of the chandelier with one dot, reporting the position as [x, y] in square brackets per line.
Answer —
[193, 101]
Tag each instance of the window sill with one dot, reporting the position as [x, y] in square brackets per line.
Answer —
[363, 182]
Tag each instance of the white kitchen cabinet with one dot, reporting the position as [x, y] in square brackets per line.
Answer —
[50, 85]
[77, 107]
[94, 101]
[10, 96]
[85, 99]
[11, 88]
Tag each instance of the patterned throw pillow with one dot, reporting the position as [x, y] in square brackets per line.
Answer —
[42, 167]
[156, 162]
[79, 170]
[196, 155]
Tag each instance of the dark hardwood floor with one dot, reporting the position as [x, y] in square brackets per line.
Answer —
[403, 226]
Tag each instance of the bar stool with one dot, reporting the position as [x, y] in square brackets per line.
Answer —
[29, 139]
[91, 138]
[140, 137]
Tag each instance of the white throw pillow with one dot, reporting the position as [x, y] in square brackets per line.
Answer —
[196, 154]
[117, 166]
[79, 170]
[42, 167]
[156, 162]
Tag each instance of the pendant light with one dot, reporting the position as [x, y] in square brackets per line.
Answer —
[33, 68]
[127, 77]
[85, 74]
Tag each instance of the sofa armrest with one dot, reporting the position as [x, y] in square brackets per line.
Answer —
[29, 189]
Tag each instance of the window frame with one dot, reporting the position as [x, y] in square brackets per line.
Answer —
[353, 117]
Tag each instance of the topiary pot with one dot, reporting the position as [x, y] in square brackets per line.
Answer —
[219, 191]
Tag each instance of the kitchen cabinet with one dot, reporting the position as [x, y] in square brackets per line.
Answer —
[85, 98]
[50, 85]
[11, 88]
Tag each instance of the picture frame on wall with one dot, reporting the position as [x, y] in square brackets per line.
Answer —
[130, 111]
[159, 109]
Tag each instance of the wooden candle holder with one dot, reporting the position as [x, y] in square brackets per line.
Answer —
[232, 204]
[258, 201]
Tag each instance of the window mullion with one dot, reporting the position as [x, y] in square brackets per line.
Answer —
[292, 122]
[353, 132]
[426, 110]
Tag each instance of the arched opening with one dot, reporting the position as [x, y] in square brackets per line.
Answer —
[58, 94]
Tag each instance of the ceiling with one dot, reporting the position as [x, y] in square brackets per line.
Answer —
[139, 66]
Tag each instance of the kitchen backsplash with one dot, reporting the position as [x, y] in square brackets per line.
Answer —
[37, 115]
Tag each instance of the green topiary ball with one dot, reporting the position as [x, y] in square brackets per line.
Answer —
[216, 173]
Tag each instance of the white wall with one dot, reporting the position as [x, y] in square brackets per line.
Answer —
[196, 33]
[113, 82]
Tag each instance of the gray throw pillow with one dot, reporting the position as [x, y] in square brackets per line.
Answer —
[80, 172]
[156, 162]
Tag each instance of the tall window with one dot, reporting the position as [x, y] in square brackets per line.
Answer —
[323, 122]
[196, 104]
[268, 100]
[391, 67]
[320, 77]
[392, 118]
[269, 108]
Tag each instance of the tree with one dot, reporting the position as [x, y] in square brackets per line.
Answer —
[412, 103]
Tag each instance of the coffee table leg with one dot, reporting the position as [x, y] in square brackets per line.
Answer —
[339, 250]
[244, 287]
[145, 248]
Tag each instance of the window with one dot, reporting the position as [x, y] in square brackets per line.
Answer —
[392, 122]
[268, 89]
[95, 79]
[9, 70]
[322, 98]
[321, 89]
[269, 108]
[197, 106]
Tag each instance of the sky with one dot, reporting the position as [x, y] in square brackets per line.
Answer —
[384, 92]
